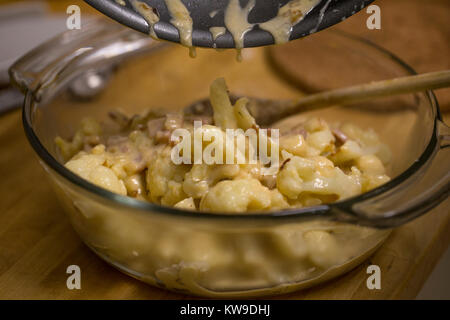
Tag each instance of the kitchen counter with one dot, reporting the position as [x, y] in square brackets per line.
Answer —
[37, 244]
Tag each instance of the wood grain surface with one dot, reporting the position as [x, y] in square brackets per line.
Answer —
[37, 243]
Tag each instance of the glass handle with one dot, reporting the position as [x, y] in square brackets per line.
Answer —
[418, 194]
[44, 65]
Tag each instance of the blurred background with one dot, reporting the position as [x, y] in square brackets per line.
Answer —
[417, 31]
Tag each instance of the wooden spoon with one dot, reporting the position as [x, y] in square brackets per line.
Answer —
[266, 111]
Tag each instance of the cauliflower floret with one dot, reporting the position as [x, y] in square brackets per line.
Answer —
[88, 134]
[319, 136]
[316, 176]
[241, 196]
[349, 151]
[294, 144]
[91, 166]
[201, 177]
[368, 140]
[370, 164]
[165, 179]
[324, 251]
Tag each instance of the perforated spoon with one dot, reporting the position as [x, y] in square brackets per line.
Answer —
[166, 19]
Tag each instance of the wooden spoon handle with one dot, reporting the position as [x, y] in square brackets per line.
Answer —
[268, 111]
[409, 84]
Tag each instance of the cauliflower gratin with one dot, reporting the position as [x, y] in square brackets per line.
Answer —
[319, 162]
[132, 156]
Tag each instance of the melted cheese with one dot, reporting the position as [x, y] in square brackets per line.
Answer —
[289, 15]
[148, 14]
[182, 20]
[217, 32]
[236, 21]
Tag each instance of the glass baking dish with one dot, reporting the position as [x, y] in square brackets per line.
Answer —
[106, 66]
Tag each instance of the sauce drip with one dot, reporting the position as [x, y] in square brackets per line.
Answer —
[236, 21]
[182, 20]
[192, 52]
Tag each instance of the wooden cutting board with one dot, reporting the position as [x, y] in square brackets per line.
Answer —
[415, 30]
[37, 243]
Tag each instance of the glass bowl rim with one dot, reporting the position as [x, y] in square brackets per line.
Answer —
[324, 210]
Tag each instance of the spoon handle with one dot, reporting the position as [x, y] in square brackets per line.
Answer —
[409, 84]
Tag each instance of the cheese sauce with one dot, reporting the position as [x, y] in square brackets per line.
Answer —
[289, 15]
[148, 14]
[182, 20]
[217, 32]
[236, 21]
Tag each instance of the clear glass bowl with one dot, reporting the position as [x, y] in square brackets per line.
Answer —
[222, 255]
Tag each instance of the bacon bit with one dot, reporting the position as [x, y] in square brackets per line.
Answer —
[162, 136]
[284, 163]
[154, 126]
[256, 127]
[118, 117]
[340, 137]
[296, 15]
[302, 132]
[124, 148]
[115, 140]
[299, 130]
[140, 127]
[269, 181]
[92, 140]
[173, 121]
[204, 119]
